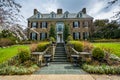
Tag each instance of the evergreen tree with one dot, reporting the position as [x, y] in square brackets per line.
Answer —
[52, 32]
[66, 32]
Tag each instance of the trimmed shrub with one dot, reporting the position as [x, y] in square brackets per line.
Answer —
[98, 54]
[23, 55]
[69, 38]
[52, 39]
[77, 45]
[42, 46]
[101, 69]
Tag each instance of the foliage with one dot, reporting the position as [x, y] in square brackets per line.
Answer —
[77, 45]
[23, 55]
[52, 39]
[6, 42]
[17, 70]
[33, 47]
[114, 48]
[42, 46]
[98, 54]
[66, 32]
[70, 38]
[9, 10]
[52, 32]
[110, 31]
[101, 69]
[9, 52]
[87, 46]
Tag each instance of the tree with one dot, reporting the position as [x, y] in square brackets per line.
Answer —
[66, 32]
[9, 12]
[112, 3]
[52, 32]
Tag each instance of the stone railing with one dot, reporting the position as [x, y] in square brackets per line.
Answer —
[81, 55]
[38, 57]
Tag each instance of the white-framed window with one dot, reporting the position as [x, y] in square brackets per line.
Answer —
[85, 35]
[76, 35]
[85, 24]
[59, 28]
[43, 36]
[76, 24]
[38, 15]
[33, 36]
[80, 14]
[34, 24]
[52, 15]
[44, 24]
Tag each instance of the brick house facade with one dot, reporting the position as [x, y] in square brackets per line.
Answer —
[80, 24]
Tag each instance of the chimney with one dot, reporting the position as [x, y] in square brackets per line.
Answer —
[84, 10]
[59, 11]
[35, 11]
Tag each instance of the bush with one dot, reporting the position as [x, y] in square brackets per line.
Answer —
[87, 46]
[17, 70]
[98, 54]
[6, 42]
[77, 45]
[69, 38]
[101, 69]
[52, 39]
[42, 46]
[23, 55]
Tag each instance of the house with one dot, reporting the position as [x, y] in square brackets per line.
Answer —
[80, 24]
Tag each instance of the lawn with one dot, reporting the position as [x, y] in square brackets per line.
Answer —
[112, 47]
[7, 53]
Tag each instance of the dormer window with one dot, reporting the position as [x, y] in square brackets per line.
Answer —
[80, 14]
[38, 15]
[52, 15]
[66, 14]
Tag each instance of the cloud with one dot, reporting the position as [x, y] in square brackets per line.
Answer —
[95, 8]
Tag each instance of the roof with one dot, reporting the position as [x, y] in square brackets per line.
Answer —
[60, 16]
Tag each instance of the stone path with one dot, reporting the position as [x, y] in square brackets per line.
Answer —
[60, 69]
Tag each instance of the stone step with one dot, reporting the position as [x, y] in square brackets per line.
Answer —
[59, 51]
[59, 58]
[60, 55]
[59, 62]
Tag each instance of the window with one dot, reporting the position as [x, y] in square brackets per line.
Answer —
[34, 25]
[66, 14]
[52, 15]
[76, 24]
[80, 14]
[85, 24]
[34, 36]
[76, 35]
[38, 15]
[59, 28]
[43, 36]
[85, 35]
[44, 24]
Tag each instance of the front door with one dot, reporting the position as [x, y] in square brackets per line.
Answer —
[59, 29]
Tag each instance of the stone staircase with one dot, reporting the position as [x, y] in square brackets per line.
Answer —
[60, 55]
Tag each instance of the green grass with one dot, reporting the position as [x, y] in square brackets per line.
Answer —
[7, 53]
[114, 48]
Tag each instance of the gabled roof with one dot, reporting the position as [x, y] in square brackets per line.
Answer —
[60, 16]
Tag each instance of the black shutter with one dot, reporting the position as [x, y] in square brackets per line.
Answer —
[36, 24]
[36, 36]
[31, 24]
[74, 36]
[73, 25]
[78, 23]
[41, 25]
[46, 24]
[40, 36]
[31, 36]
[45, 35]
[79, 36]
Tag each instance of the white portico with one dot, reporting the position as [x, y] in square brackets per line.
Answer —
[59, 29]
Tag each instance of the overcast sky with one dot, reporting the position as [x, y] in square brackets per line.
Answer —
[95, 8]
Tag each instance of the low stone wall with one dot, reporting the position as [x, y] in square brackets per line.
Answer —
[38, 57]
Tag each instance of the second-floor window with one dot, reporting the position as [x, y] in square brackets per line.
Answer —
[34, 25]
[76, 24]
[85, 24]
[44, 24]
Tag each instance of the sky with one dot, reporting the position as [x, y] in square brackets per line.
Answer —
[95, 8]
